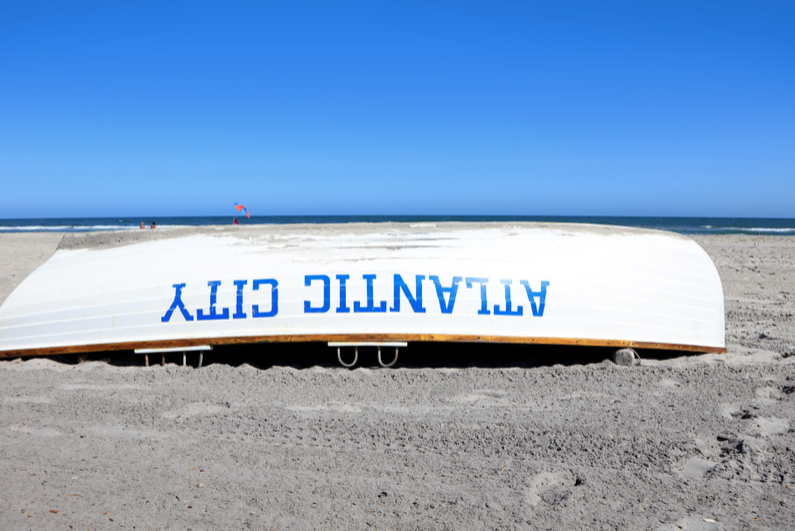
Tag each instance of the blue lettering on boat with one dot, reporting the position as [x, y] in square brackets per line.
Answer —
[308, 308]
[213, 315]
[370, 307]
[415, 302]
[177, 304]
[446, 296]
[274, 284]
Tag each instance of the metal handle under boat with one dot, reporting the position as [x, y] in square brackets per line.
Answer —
[357, 344]
[355, 357]
[385, 365]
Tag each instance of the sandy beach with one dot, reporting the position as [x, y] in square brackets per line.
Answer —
[693, 442]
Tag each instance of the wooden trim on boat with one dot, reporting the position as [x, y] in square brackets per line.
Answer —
[305, 338]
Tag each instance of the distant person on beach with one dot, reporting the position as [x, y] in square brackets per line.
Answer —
[153, 226]
[142, 225]
[235, 222]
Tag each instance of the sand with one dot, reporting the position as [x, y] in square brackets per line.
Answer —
[685, 442]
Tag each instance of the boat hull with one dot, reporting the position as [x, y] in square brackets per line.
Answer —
[516, 283]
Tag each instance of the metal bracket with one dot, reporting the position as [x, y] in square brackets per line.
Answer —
[201, 349]
[357, 344]
[385, 365]
[355, 357]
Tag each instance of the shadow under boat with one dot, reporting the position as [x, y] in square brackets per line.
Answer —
[416, 355]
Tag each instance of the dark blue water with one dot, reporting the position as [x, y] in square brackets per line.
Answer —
[766, 226]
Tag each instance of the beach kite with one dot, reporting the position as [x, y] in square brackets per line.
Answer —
[241, 208]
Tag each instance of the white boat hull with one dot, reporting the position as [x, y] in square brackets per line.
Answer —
[523, 283]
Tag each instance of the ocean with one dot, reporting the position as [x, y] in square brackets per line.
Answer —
[765, 226]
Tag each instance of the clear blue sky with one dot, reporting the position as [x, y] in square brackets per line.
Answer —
[526, 108]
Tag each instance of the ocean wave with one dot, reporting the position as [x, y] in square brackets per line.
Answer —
[61, 228]
[33, 228]
[703, 225]
[80, 228]
[760, 229]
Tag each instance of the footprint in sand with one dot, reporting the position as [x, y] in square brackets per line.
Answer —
[771, 426]
[697, 468]
[548, 488]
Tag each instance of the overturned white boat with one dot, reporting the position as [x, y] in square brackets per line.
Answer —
[369, 283]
